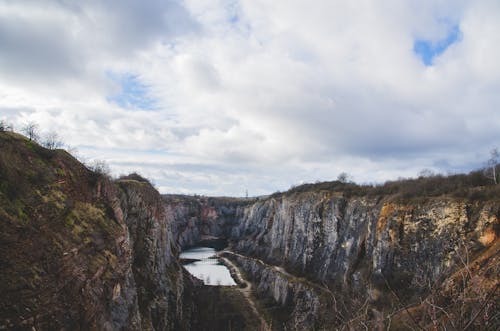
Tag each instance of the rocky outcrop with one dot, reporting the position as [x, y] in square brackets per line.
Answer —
[159, 278]
[81, 252]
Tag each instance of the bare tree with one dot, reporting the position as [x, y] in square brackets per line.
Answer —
[52, 141]
[344, 177]
[491, 165]
[31, 129]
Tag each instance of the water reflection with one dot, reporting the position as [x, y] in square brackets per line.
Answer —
[207, 267]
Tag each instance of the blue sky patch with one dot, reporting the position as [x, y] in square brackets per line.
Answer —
[133, 94]
[428, 50]
[234, 19]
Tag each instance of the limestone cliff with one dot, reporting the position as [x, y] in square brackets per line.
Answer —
[80, 252]
[159, 278]
[378, 251]
[337, 239]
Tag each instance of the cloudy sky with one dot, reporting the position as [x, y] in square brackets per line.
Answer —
[219, 97]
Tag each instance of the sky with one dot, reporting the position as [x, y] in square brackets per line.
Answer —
[223, 97]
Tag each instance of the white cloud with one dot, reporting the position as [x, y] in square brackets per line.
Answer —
[260, 94]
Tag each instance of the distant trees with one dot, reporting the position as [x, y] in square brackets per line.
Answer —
[491, 165]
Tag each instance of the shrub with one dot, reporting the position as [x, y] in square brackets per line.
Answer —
[135, 176]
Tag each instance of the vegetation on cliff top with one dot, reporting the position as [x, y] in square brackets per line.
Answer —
[474, 185]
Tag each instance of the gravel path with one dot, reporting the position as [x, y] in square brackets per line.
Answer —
[246, 290]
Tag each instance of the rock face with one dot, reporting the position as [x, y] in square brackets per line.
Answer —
[346, 240]
[370, 248]
[377, 253]
[159, 278]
